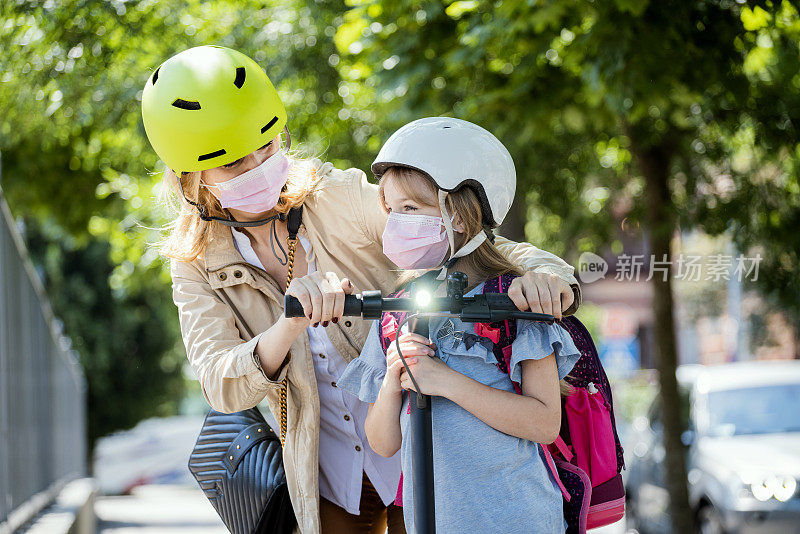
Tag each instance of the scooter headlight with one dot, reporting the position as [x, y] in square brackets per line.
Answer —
[423, 299]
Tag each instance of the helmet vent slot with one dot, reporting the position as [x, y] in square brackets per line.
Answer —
[269, 124]
[211, 155]
[186, 104]
[240, 74]
[155, 75]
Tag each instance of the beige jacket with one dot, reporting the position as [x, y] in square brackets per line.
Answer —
[225, 304]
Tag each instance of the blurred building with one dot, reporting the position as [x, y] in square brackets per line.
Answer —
[717, 319]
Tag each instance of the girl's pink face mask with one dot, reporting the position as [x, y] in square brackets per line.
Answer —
[258, 189]
[415, 241]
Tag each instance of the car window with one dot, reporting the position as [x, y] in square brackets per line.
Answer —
[755, 410]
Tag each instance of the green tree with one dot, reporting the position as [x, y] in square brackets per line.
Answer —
[128, 340]
[670, 113]
[676, 114]
[78, 169]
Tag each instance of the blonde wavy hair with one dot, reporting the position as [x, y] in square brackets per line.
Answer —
[187, 235]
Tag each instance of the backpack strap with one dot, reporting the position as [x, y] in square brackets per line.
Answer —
[551, 465]
[503, 334]
[389, 322]
[562, 448]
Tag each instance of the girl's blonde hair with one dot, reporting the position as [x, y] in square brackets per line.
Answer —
[463, 203]
[187, 236]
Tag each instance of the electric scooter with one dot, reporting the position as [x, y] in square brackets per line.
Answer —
[420, 306]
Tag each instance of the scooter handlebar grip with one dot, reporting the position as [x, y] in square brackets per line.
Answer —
[352, 305]
[293, 308]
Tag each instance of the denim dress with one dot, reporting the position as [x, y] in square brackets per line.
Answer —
[485, 481]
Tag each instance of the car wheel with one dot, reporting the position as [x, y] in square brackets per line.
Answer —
[709, 521]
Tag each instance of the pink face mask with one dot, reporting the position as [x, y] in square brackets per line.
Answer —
[258, 189]
[415, 241]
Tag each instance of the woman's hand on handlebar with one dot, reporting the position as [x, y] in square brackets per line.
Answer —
[541, 293]
[321, 295]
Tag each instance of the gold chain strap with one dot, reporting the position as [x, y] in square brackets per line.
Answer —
[292, 245]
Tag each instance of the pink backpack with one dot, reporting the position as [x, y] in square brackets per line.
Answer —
[586, 459]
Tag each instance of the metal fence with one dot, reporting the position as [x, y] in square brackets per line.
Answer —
[42, 389]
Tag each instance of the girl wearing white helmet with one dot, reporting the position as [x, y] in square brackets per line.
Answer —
[444, 184]
[214, 118]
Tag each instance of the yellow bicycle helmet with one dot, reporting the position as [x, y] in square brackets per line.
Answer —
[209, 106]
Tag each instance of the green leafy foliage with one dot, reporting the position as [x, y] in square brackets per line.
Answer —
[574, 89]
[128, 340]
[78, 168]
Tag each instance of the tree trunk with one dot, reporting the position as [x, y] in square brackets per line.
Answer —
[654, 164]
[513, 226]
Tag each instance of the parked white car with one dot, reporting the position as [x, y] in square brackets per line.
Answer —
[154, 451]
[743, 438]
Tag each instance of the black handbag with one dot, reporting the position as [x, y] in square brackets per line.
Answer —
[238, 463]
[238, 459]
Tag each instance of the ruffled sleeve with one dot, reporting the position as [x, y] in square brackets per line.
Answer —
[536, 340]
[364, 375]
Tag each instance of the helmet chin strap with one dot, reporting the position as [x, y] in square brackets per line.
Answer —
[468, 247]
[448, 225]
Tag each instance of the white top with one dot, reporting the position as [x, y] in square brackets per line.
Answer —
[344, 452]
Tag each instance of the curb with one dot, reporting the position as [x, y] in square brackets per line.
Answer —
[72, 511]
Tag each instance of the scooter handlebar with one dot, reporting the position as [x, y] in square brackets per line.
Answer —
[352, 306]
[489, 307]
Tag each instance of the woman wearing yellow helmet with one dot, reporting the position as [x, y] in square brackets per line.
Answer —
[216, 121]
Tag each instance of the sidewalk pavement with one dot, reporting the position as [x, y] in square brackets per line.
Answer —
[156, 509]
[176, 509]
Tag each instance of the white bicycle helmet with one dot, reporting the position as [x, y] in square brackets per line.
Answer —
[454, 153]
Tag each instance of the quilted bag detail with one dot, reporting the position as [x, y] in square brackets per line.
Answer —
[238, 462]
